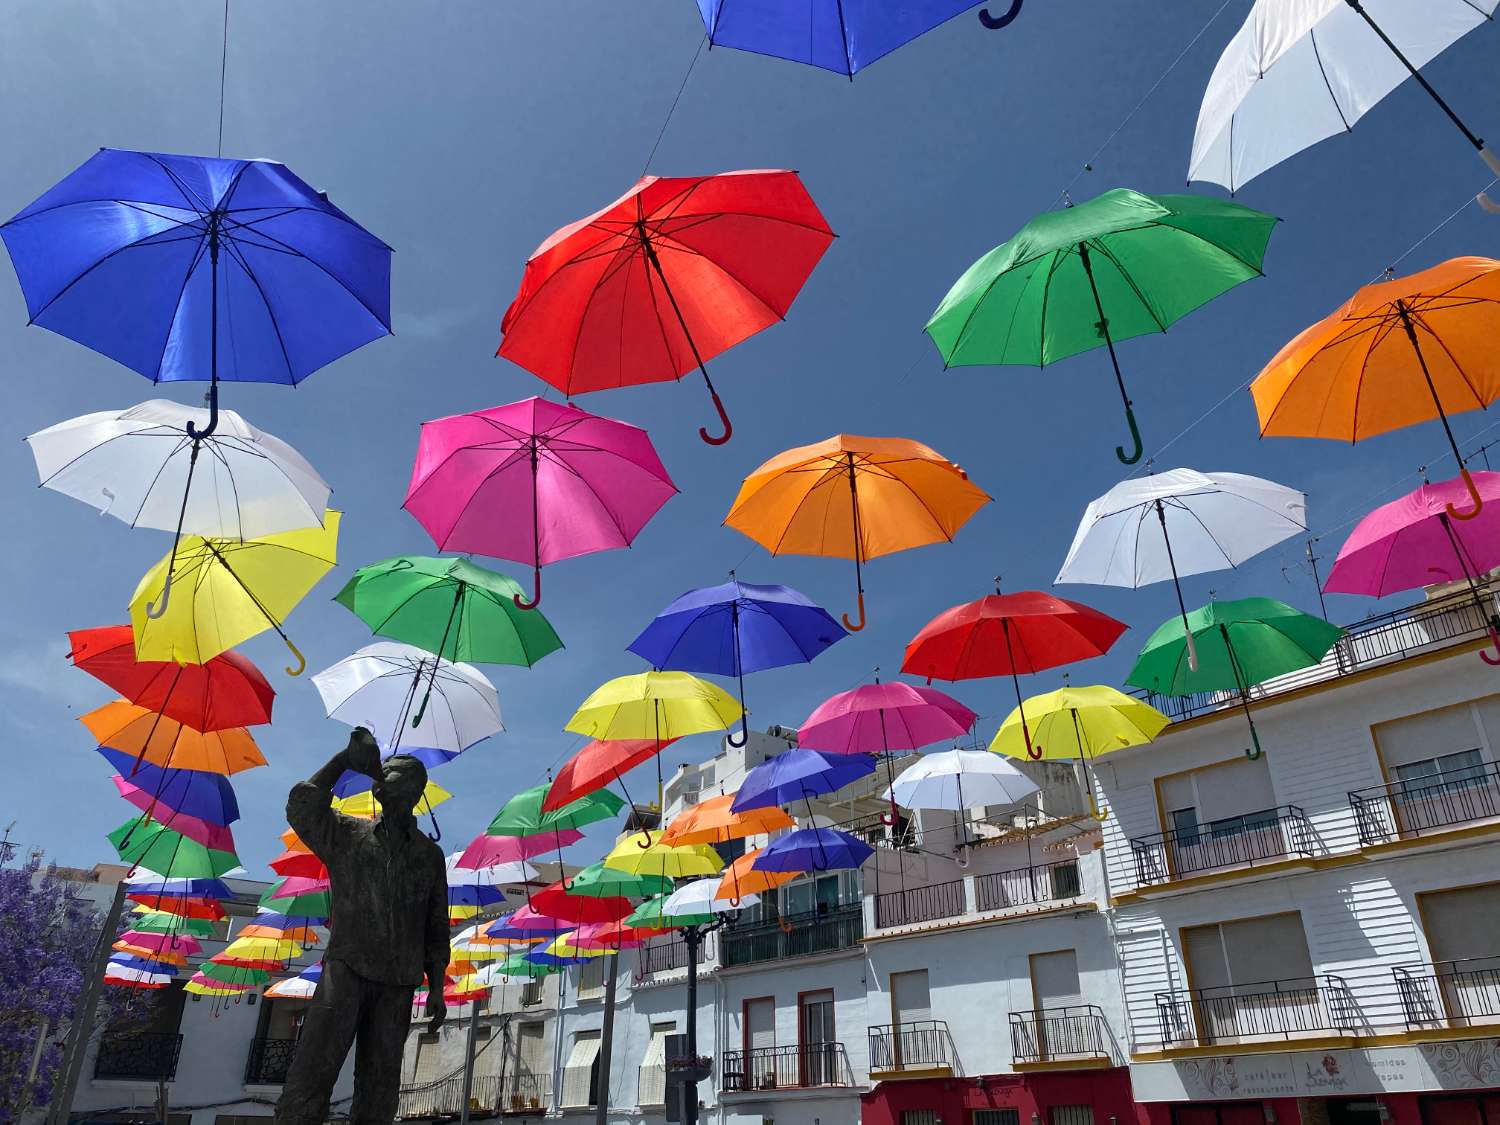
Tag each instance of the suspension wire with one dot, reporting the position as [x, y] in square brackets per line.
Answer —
[223, 68]
[672, 109]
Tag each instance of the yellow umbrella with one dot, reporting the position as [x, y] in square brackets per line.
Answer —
[235, 590]
[366, 807]
[562, 946]
[654, 705]
[261, 949]
[652, 857]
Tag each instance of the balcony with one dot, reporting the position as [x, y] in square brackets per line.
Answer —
[143, 1056]
[1317, 1007]
[658, 958]
[921, 904]
[919, 1049]
[1445, 994]
[269, 1061]
[489, 1094]
[792, 935]
[1406, 810]
[525, 1093]
[1072, 1035]
[785, 1068]
[1256, 838]
[979, 894]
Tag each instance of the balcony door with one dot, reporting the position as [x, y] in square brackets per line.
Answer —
[1464, 980]
[760, 1043]
[1437, 768]
[1220, 816]
[1054, 989]
[817, 1042]
[533, 1076]
[1252, 978]
[911, 1015]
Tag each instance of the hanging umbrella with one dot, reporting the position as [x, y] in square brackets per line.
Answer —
[654, 705]
[522, 815]
[736, 628]
[486, 850]
[165, 958]
[300, 987]
[199, 793]
[596, 765]
[555, 903]
[298, 886]
[226, 691]
[366, 807]
[489, 875]
[901, 494]
[154, 883]
[666, 277]
[961, 779]
[236, 589]
[601, 879]
[1009, 633]
[518, 965]
[535, 482]
[1296, 74]
[701, 897]
[1121, 265]
[351, 782]
[477, 897]
[139, 255]
[612, 936]
[714, 821]
[1208, 521]
[245, 949]
[813, 849]
[377, 687]
[179, 944]
[313, 904]
[215, 837]
[150, 921]
[794, 775]
[653, 914]
[268, 924]
[565, 947]
[742, 879]
[1240, 644]
[141, 842]
[527, 924]
[1397, 353]
[152, 737]
[837, 35]
[665, 861]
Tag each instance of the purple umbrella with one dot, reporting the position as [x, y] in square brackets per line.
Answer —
[813, 849]
[795, 775]
[1412, 542]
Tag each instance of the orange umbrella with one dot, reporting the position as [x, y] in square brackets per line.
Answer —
[1399, 352]
[165, 956]
[302, 935]
[712, 822]
[166, 742]
[741, 878]
[900, 494]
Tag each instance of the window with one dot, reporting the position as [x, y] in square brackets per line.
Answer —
[234, 1118]
[997, 1117]
[531, 993]
[919, 1117]
[818, 1046]
[822, 894]
[429, 1067]
[1217, 799]
[760, 1024]
[652, 1088]
[580, 1085]
[1071, 1115]
[1254, 977]
[531, 1054]
[1461, 923]
[1461, 986]
[1449, 769]
[1054, 979]
[911, 1002]
[591, 979]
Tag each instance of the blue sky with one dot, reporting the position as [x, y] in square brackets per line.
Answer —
[464, 132]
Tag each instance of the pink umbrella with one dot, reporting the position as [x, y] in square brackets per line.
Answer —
[535, 482]
[170, 943]
[487, 851]
[296, 885]
[878, 718]
[1412, 542]
[525, 918]
[217, 837]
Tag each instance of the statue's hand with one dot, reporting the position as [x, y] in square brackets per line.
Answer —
[437, 1010]
[363, 753]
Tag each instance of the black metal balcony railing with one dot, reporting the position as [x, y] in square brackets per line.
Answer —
[445, 1097]
[1077, 1031]
[1239, 841]
[785, 1068]
[659, 957]
[1449, 993]
[525, 1093]
[918, 1045]
[1406, 809]
[269, 1061]
[921, 904]
[793, 935]
[1275, 1009]
[146, 1055]
[1026, 886]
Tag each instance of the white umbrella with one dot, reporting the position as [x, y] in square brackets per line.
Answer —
[1299, 71]
[960, 779]
[292, 988]
[1149, 529]
[141, 466]
[697, 897]
[377, 688]
[496, 875]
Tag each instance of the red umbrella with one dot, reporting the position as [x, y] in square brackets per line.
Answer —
[227, 691]
[555, 902]
[303, 864]
[1006, 634]
[596, 765]
[663, 279]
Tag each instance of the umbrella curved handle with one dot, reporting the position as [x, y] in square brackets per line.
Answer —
[962, 860]
[536, 596]
[850, 625]
[892, 818]
[644, 843]
[1035, 752]
[1473, 495]
[1135, 436]
[785, 926]
[155, 609]
[1255, 752]
[301, 660]
[728, 433]
[416, 720]
[213, 417]
[1484, 655]
[744, 737]
[1494, 164]
[995, 23]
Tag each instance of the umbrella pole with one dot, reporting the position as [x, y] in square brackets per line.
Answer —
[1463, 564]
[416, 720]
[266, 613]
[644, 843]
[739, 672]
[1078, 737]
[1239, 682]
[154, 610]
[1103, 326]
[214, 219]
[1035, 754]
[536, 537]
[661, 275]
[813, 824]
[859, 580]
[1192, 649]
[889, 819]
[1411, 334]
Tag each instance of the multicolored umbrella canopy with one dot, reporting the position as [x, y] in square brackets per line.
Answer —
[487, 851]
[1240, 644]
[653, 914]
[735, 628]
[884, 717]
[714, 821]
[795, 775]
[554, 902]
[700, 897]
[813, 849]
[663, 279]
[526, 923]
[535, 482]
[596, 765]
[151, 737]
[142, 842]
[853, 497]
[960, 779]
[1121, 265]
[1397, 353]
[366, 807]
[165, 922]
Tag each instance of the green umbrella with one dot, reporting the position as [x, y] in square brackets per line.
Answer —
[234, 974]
[522, 815]
[1240, 644]
[314, 905]
[648, 915]
[165, 922]
[598, 881]
[1121, 265]
[449, 607]
[142, 842]
[516, 965]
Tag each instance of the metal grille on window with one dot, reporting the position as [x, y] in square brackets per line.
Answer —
[997, 1117]
[919, 1117]
[1071, 1115]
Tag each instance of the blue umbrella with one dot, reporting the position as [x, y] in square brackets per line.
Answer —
[273, 919]
[540, 958]
[838, 35]
[813, 849]
[735, 628]
[140, 964]
[150, 883]
[795, 775]
[472, 895]
[207, 796]
[501, 928]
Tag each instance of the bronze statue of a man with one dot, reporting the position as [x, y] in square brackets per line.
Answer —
[389, 930]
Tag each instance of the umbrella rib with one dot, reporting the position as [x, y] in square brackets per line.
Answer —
[1130, 281]
[1312, 35]
[237, 254]
[108, 257]
[1173, 501]
[1453, 360]
[189, 194]
[670, 244]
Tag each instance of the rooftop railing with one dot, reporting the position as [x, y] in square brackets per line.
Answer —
[1404, 810]
[1238, 841]
[982, 894]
